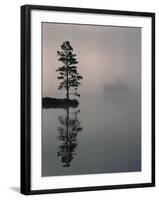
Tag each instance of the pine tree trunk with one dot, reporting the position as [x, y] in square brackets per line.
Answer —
[67, 92]
[67, 123]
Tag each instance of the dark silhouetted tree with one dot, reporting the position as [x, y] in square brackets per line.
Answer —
[70, 78]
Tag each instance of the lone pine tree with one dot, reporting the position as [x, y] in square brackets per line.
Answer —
[68, 74]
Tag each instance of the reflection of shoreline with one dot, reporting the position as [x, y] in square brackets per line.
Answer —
[48, 102]
[68, 131]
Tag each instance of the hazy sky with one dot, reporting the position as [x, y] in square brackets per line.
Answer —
[108, 57]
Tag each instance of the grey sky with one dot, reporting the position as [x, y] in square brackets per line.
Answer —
[106, 55]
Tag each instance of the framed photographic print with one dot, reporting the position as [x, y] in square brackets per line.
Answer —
[87, 99]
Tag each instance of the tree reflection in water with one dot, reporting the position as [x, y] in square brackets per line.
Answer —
[68, 131]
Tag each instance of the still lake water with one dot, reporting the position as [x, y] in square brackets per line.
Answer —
[101, 135]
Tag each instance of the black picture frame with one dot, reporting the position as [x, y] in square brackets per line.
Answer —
[26, 98]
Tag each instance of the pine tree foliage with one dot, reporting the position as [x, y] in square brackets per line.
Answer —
[67, 73]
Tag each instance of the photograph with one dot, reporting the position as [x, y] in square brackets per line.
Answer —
[87, 99]
[91, 99]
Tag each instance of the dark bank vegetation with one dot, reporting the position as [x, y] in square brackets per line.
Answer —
[48, 102]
